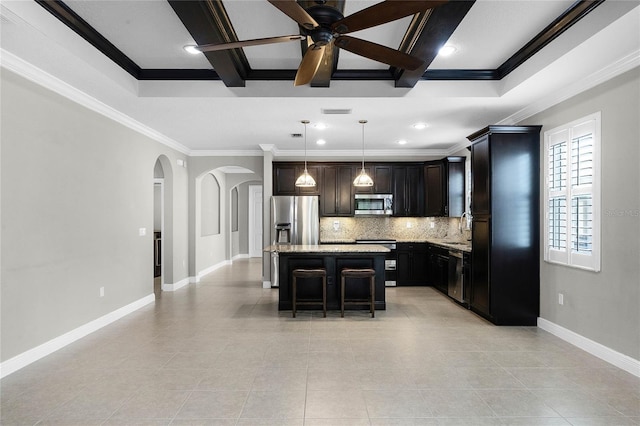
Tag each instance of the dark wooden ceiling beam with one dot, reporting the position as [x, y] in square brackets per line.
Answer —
[81, 27]
[573, 14]
[431, 33]
[208, 23]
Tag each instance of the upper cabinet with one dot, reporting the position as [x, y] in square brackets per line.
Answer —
[408, 190]
[381, 175]
[337, 191]
[444, 187]
[286, 174]
[419, 189]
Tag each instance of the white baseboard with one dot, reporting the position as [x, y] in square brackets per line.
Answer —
[32, 355]
[209, 270]
[618, 359]
[175, 286]
[240, 256]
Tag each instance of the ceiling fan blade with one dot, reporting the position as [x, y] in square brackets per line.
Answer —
[379, 53]
[309, 65]
[382, 13]
[247, 43]
[294, 11]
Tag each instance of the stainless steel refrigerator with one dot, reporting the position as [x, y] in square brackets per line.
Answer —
[294, 220]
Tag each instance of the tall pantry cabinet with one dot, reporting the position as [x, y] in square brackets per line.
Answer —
[505, 194]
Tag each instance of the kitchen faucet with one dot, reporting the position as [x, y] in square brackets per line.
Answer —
[468, 215]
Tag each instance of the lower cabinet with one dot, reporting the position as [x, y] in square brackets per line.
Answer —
[411, 265]
[438, 268]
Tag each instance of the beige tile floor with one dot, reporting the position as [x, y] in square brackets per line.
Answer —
[220, 353]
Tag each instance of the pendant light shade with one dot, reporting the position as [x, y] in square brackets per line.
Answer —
[363, 179]
[305, 180]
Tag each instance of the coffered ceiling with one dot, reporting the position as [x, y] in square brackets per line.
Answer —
[512, 59]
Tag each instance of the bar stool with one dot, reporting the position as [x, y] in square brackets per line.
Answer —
[309, 273]
[358, 273]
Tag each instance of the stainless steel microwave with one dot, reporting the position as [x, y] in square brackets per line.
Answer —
[373, 204]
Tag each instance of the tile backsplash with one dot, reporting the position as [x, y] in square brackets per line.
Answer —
[399, 228]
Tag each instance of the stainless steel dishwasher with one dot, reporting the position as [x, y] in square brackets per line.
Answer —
[456, 277]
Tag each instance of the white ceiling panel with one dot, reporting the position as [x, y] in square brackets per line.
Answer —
[147, 31]
[494, 30]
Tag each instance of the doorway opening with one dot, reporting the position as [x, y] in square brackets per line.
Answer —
[255, 220]
[158, 232]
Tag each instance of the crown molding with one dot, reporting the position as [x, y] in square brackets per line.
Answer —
[225, 153]
[32, 73]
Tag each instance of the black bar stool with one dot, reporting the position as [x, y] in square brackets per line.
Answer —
[358, 273]
[309, 273]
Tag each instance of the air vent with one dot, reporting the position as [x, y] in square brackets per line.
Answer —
[296, 135]
[336, 110]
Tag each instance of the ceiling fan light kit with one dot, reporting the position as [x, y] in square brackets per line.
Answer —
[322, 25]
[305, 180]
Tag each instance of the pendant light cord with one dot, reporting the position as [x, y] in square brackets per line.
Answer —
[363, 122]
[305, 122]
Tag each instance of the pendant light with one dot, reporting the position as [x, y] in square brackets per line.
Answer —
[305, 180]
[363, 179]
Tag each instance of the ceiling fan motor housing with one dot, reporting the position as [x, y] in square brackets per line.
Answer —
[325, 16]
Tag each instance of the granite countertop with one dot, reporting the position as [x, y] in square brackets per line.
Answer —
[327, 248]
[464, 246]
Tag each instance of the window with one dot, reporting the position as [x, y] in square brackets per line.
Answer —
[572, 194]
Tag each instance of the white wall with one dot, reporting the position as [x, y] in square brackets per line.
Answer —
[76, 189]
[604, 306]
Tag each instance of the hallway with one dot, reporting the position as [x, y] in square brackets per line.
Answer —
[219, 353]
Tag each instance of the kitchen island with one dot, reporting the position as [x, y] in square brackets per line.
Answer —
[332, 257]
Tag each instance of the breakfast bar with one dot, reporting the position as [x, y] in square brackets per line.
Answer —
[333, 258]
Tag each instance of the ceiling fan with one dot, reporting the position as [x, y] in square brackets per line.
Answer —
[322, 25]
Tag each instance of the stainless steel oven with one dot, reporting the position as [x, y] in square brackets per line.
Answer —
[390, 260]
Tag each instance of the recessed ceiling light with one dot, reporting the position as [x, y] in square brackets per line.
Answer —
[420, 126]
[320, 126]
[402, 142]
[447, 50]
[321, 141]
[190, 48]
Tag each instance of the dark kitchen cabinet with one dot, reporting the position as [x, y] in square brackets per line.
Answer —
[411, 266]
[438, 267]
[337, 191]
[408, 190]
[505, 276]
[444, 187]
[381, 175]
[286, 174]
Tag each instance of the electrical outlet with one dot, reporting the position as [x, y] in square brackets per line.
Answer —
[142, 232]
[409, 225]
[560, 299]
[336, 225]
[101, 291]
[432, 225]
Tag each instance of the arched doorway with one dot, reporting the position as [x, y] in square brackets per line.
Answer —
[162, 224]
